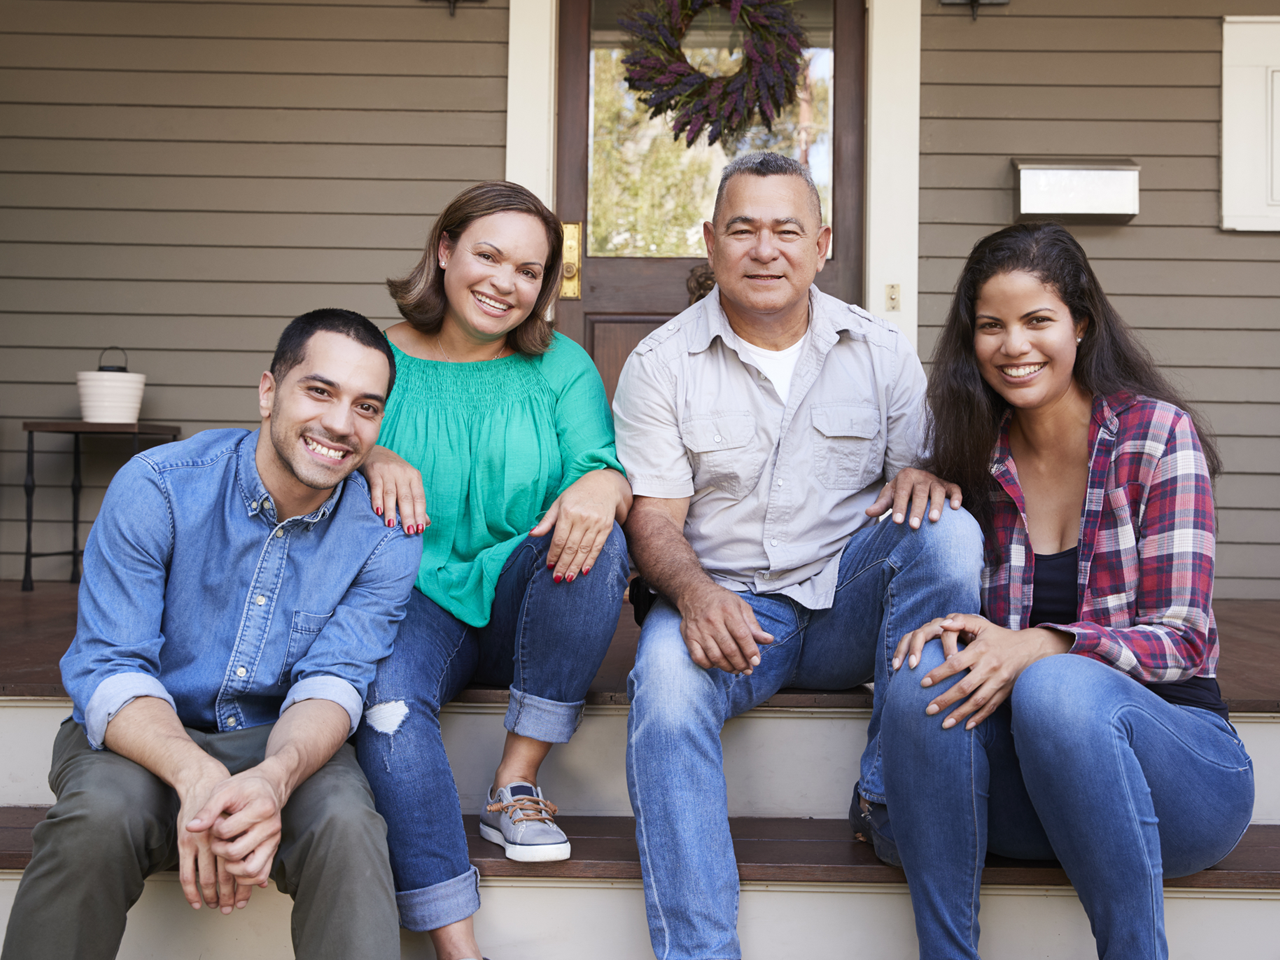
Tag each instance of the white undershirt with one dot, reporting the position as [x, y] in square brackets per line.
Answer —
[777, 365]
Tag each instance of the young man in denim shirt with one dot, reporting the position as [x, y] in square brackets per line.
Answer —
[237, 592]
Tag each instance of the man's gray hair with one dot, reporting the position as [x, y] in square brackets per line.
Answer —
[766, 164]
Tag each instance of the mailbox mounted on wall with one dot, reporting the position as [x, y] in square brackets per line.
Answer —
[1075, 189]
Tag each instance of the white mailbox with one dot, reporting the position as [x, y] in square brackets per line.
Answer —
[1076, 190]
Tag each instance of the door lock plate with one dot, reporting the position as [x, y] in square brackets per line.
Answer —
[571, 285]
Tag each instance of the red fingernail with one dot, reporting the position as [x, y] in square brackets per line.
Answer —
[557, 578]
[550, 566]
[570, 578]
[390, 522]
[378, 511]
[585, 571]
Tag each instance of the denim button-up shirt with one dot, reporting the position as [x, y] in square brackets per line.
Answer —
[195, 593]
[775, 490]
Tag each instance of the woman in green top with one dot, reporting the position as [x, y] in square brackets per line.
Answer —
[499, 431]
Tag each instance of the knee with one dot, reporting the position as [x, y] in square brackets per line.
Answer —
[1057, 695]
[954, 544]
[905, 700]
[338, 820]
[112, 819]
[668, 691]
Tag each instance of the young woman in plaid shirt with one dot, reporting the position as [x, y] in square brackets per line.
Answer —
[1079, 720]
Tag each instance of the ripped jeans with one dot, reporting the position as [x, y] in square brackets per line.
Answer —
[544, 639]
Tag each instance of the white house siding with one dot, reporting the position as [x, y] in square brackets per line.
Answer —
[182, 178]
[1123, 78]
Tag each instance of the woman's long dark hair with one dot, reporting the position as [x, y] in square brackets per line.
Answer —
[420, 296]
[1109, 360]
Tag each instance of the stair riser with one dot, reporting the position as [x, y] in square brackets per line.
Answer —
[584, 920]
[778, 762]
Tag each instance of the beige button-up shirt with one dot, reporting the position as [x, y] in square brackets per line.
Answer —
[775, 490]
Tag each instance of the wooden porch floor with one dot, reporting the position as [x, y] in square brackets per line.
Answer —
[37, 627]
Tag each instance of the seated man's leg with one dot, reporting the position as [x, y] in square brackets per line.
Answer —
[675, 774]
[333, 862]
[113, 826]
[892, 579]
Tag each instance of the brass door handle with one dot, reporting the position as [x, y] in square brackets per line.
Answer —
[571, 285]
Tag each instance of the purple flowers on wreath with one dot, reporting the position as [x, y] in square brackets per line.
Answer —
[666, 82]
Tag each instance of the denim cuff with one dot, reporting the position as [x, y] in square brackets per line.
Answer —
[429, 908]
[547, 720]
[327, 688]
[113, 695]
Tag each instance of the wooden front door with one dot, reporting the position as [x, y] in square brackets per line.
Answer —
[629, 288]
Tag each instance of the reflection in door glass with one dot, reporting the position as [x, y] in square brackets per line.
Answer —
[649, 194]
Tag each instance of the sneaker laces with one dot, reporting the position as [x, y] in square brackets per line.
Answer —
[526, 808]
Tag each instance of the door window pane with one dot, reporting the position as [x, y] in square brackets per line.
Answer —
[648, 194]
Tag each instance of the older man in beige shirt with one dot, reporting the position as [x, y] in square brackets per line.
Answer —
[758, 429]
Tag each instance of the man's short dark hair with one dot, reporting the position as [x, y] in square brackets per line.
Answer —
[766, 164]
[292, 346]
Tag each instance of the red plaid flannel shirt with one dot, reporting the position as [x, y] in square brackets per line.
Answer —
[1145, 573]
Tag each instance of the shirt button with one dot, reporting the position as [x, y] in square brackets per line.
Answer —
[718, 438]
[779, 483]
[280, 533]
[241, 671]
[773, 542]
[253, 505]
[260, 599]
[763, 377]
[231, 721]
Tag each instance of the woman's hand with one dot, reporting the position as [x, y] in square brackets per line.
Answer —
[994, 656]
[395, 484]
[583, 517]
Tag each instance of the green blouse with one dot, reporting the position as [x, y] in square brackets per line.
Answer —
[497, 441]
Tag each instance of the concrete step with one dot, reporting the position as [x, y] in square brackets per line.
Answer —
[779, 761]
[805, 882]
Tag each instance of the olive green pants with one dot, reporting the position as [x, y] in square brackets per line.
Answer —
[115, 824]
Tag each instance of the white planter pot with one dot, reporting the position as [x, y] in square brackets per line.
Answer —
[108, 396]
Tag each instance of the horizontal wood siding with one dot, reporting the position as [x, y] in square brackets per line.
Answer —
[1122, 78]
[182, 177]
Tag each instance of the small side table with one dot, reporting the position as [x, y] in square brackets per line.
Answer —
[75, 428]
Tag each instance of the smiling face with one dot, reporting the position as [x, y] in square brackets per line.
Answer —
[766, 247]
[492, 275]
[1025, 341]
[321, 420]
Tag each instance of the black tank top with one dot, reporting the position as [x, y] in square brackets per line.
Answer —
[1055, 598]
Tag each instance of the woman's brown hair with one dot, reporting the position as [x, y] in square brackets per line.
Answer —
[420, 296]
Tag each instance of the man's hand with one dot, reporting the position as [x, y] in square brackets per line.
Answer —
[920, 489]
[203, 874]
[240, 824]
[394, 484]
[994, 656]
[720, 629]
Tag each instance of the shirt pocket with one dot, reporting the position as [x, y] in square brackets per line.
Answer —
[847, 445]
[724, 452]
[302, 633]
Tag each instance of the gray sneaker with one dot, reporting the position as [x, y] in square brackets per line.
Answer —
[521, 821]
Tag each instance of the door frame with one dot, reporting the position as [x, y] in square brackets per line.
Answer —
[891, 239]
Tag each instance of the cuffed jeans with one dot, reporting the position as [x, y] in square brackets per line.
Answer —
[115, 824]
[1081, 764]
[891, 579]
[546, 640]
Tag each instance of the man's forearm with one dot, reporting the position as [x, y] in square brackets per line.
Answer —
[663, 555]
[149, 733]
[303, 740]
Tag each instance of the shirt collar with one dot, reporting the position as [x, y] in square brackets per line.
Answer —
[709, 321]
[257, 500]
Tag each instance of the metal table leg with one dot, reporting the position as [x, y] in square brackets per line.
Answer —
[75, 514]
[29, 485]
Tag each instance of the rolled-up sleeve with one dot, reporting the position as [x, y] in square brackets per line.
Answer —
[340, 662]
[115, 656]
[650, 444]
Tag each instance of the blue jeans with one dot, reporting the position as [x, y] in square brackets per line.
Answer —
[546, 640]
[891, 579]
[1081, 764]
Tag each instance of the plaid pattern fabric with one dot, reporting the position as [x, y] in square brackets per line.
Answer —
[1146, 545]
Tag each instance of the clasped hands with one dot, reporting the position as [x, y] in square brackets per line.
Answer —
[226, 847]
[994, 656]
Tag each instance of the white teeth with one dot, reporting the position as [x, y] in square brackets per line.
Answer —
[1023, 371]
[497, 305]
[325, 451]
